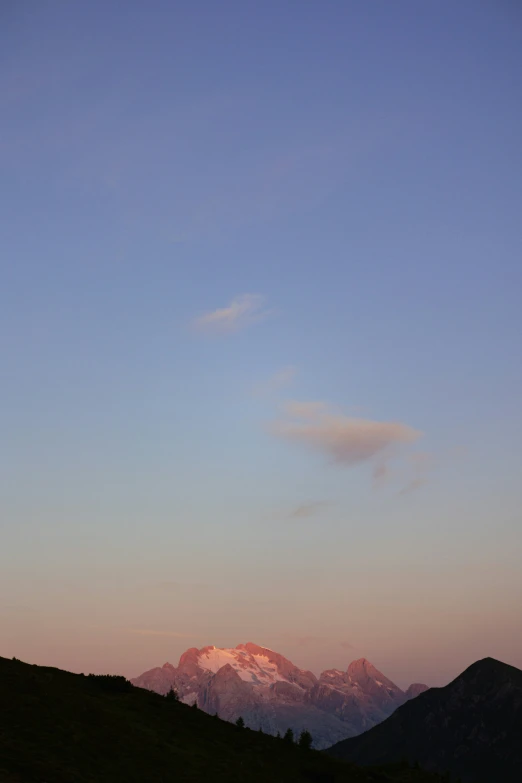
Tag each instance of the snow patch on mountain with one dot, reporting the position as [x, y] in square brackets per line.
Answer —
[256, 669]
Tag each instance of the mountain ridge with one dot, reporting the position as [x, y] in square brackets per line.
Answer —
[471, 727]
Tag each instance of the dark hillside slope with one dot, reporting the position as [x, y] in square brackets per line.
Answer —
[472, 727]
[57, 727]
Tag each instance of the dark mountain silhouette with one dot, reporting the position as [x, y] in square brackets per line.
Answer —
[59, 727]
[472, 728]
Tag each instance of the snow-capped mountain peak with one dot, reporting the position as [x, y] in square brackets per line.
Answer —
[254, 668]
[267, 690]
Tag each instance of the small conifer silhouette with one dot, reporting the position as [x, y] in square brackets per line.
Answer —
[289, 736]
[305, 740]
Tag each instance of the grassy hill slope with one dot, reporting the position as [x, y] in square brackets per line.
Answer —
[57, 727]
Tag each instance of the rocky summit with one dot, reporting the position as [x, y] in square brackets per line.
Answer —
[472, 728]
[270, 693]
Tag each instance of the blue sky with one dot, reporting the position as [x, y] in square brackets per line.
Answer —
[342, 182]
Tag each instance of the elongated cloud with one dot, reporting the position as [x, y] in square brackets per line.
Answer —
[178, 587]
[151, 632]
[422, 464]
[305, 410]
[381, 472]
[281, 378]
[241, 312]
[308, 509]
[412, 485]
[342, 439]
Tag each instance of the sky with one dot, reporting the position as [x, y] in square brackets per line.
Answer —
[260, 332]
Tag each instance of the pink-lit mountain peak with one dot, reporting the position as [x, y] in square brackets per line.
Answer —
[270, 691]
[363, 668]
[262, 666]
[253, 663]
[363, 674]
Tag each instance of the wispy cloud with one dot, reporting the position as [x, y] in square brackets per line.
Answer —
[304, 641]
[279, 380]
[380, 474]
[152, 632]
[422, 463]
[412, 485]
[241, 312]
[179, 587]
[308, 509]
[344, 440]
[304, 410]
[18, 609]
[170, 585]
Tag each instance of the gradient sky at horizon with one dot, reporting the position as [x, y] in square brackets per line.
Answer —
[214, 215]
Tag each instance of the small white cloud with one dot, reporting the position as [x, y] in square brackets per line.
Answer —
[241, 312]
[342, 439]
